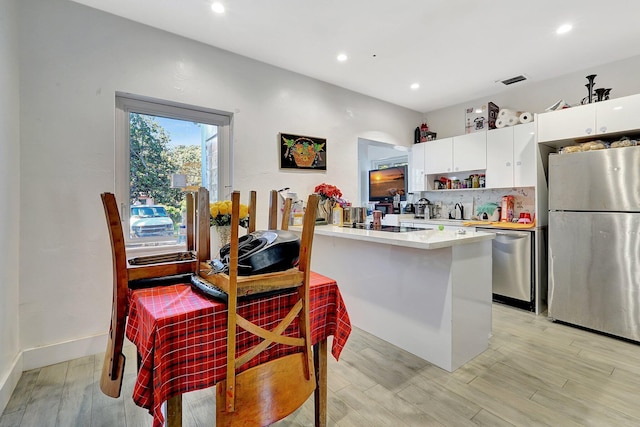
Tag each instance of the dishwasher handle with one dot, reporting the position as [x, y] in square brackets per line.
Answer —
[519, 234]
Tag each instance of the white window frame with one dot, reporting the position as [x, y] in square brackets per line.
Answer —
[127, 103]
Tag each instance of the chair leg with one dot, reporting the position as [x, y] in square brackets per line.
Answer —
[174, 411]
[320, 393]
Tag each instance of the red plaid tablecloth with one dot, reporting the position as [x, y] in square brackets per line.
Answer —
[181, 335]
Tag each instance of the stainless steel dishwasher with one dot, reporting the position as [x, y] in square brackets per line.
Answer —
[513, 275]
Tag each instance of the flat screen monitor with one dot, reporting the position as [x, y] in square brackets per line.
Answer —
[386, 183]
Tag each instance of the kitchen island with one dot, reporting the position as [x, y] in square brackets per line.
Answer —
[427, 292]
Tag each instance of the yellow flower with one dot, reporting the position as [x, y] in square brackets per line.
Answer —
[221, 213]
[244, 211]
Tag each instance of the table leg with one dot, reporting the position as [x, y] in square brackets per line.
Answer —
[174, 411]
[320, 394]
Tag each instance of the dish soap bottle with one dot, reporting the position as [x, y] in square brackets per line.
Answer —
[338, 218]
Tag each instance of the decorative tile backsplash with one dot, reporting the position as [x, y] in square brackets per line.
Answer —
[524, 199]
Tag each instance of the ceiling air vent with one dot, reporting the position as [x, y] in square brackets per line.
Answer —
[513, 80]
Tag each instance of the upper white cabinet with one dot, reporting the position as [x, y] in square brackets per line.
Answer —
[438, 156]
[499, 158]
[599, 118]
[618, 115]
[576, 122]
[417, 175]
[524, 155]
[457, 154]
[511, 157]
[470, 152]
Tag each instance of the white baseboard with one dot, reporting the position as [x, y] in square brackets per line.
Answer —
[9, 382]
[60, 352]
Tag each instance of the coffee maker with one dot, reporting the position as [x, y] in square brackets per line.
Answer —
[423, 209]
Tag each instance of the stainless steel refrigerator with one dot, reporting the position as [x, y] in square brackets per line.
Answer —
[594, 240]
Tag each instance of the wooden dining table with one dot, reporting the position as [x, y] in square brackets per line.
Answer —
[181, 339]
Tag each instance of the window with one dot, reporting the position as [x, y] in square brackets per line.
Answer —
[390, 162]
[157, 142]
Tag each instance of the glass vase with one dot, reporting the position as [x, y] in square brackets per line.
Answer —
[224, 234]
[220, 236]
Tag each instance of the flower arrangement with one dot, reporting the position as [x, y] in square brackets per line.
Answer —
[221, 213]
[327, 191]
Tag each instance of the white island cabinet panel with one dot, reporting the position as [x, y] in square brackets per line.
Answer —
[434, 303]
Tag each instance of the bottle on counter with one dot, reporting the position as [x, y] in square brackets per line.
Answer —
[338, 218]
[506, 209]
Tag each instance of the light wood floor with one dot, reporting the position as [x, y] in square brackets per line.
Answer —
[535, 372]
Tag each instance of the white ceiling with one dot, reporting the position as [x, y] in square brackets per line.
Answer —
[455, 49]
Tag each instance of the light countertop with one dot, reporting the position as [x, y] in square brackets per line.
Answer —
[406, 218]
[423, 239]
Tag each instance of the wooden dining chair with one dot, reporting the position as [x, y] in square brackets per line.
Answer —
[273, 211]
[145, 271]
[270, 391]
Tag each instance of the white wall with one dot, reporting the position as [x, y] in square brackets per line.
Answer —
[536, 96]
[10, 361]
[73, 60]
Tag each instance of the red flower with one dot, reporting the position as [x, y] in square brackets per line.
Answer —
[327, 191]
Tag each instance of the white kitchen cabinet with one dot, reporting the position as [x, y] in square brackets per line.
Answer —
[499, 158]
[570, 123]
[470, 152]
[417, 181]
[524, 155]
[438, 156]
[511, 157]
[457, 154]
[618, 115]
[598, 118]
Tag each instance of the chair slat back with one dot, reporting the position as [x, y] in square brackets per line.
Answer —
[295, 373]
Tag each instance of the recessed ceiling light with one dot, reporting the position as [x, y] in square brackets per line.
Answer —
[342, 57]
[415, 86]
[564, 28]
[217, 7]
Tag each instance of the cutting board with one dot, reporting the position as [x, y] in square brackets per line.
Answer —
[509, 225]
